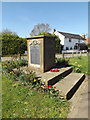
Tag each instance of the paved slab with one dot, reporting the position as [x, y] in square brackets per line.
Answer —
[70, 84]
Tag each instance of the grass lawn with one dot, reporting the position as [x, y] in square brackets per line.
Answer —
[83, 61]
[0, 91]
[21, 101]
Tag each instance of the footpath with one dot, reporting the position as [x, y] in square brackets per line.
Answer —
[79, 102]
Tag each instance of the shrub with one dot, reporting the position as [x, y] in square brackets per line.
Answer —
[12, 75]
[18, 72]
[76, 67]
[23, 62]
[57, 40]
[57, 48]
[9, 65]
[27, 77]
[22, 77]
[50, 90]
[79, 57]
[12, 44]
[77, 70]
[88, 45]
[62, 62]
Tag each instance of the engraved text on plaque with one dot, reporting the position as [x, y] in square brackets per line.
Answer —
[35, 54]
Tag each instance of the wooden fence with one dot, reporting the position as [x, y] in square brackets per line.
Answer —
[65, 55]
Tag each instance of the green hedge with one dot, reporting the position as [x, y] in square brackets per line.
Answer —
[12, 44]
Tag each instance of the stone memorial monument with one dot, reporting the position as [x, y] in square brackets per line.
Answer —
[41, 53]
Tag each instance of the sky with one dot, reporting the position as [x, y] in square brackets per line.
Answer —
[20, 17]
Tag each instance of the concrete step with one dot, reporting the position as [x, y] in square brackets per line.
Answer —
[54, 77]
[70, 84]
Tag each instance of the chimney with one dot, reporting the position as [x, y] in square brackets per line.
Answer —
[54, 30]
[83, 36]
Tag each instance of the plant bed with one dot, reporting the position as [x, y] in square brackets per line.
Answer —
[62, 62]
[25, 96]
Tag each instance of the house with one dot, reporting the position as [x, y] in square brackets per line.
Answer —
[88, 41]
[70, 41]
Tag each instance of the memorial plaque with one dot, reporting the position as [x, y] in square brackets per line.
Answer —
[35, 54]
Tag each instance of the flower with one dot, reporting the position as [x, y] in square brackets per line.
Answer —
[50, 92]
[43, 85]
[75, 62]
[11, 72]
[46, 83]
[14, 85]
[54, 87]
[13, 59]
[49, 86]
[34, 80]
[86, 72]
[25, 103]
[78, 65]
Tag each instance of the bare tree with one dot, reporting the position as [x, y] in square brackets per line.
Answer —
[7, 31]
[39, 28]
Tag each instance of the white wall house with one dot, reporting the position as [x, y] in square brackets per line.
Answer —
[68, 40]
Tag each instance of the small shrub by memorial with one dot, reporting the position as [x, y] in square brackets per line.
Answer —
[8, 66]
[79, 64]
[76, 67]
[62, 62]
[51, 90]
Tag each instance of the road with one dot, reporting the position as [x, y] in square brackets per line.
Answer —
[70, 55]
[11, 58]
[57, 56]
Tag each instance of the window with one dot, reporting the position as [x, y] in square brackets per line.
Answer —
[70, 48]
[78, 41]
[69, 40]
[67, 48]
